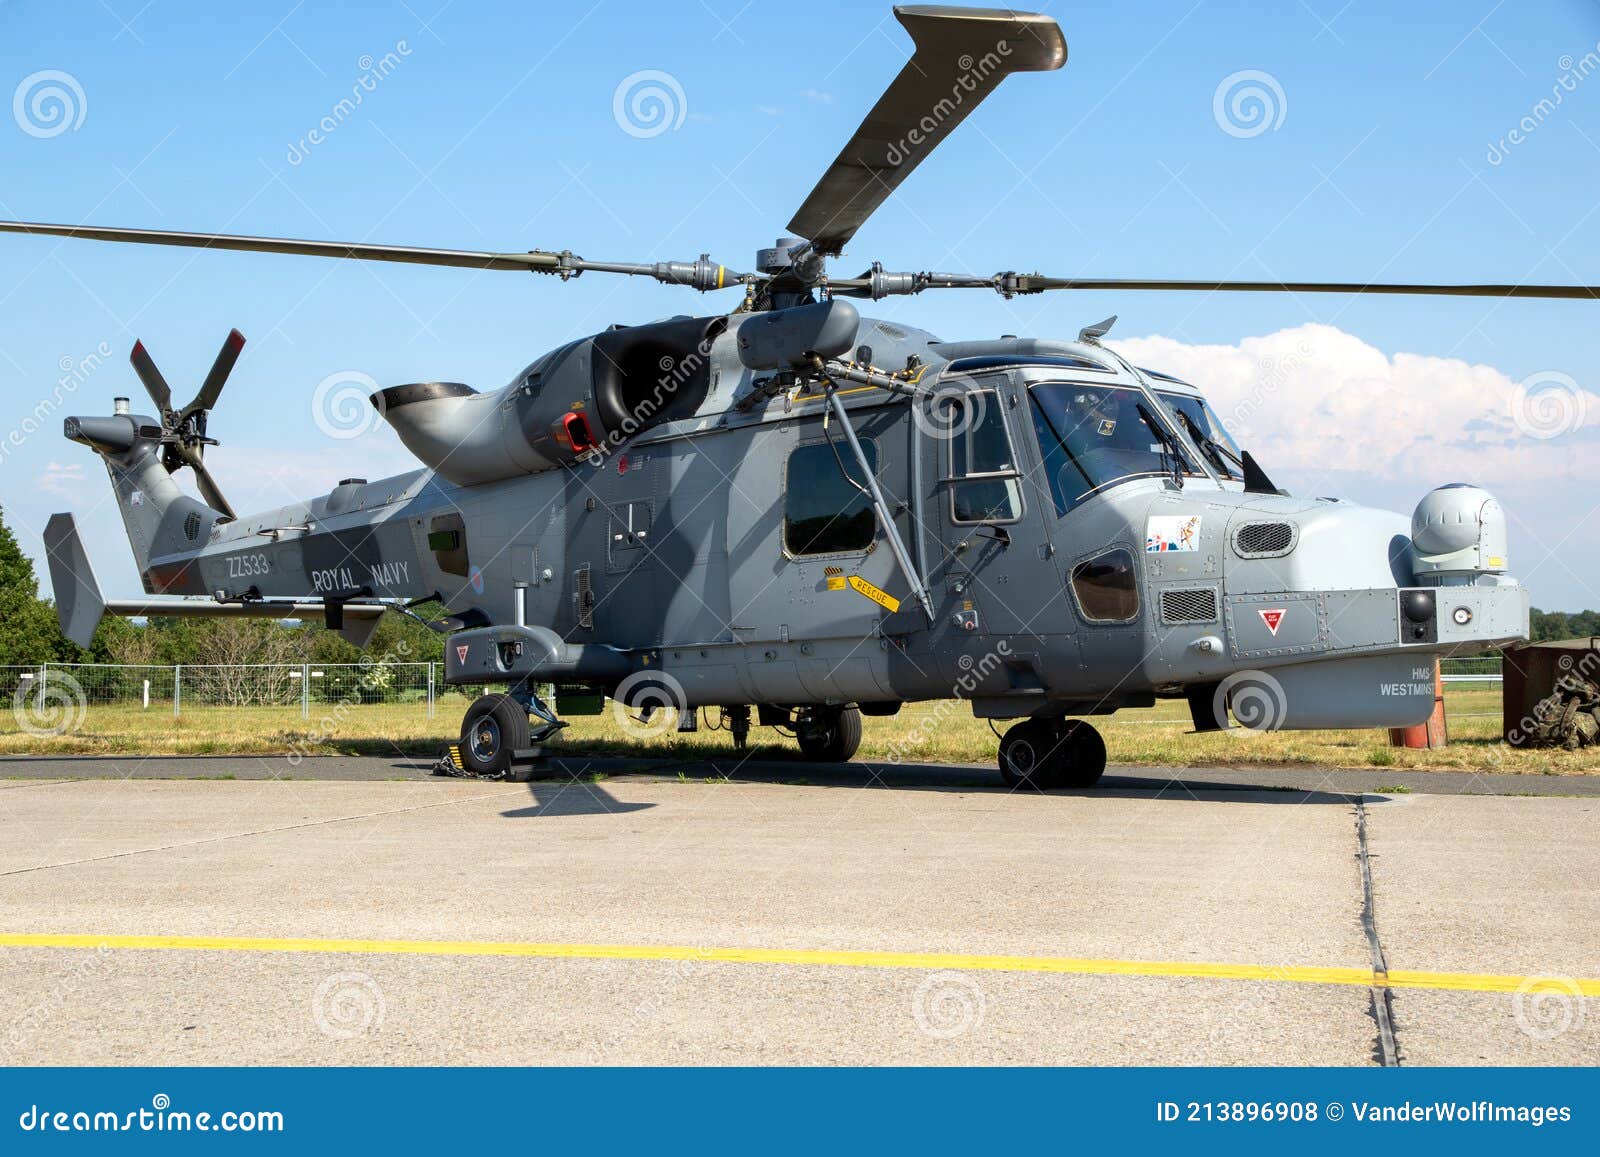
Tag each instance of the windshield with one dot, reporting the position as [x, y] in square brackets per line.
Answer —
[1201, 423]
[1093, 436]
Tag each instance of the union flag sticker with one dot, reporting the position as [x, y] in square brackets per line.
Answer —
[1273, 618]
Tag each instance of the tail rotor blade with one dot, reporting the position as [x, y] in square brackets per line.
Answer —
[227, 358]
[209, 490]
[144, 365]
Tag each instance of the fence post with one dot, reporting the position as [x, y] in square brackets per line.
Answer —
[177, 687]
[44, 677]
[430, 690]
[305, 690]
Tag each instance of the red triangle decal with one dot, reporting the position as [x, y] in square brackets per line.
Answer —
[1273, 619]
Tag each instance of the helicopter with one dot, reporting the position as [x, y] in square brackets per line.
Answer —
[801, 516]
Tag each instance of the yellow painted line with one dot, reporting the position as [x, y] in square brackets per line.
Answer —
[838, 958]
[1491, 982]
[1180, 969]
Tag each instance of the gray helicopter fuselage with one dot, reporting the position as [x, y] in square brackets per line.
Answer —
[696, 549]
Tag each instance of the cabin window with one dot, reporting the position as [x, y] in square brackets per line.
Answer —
[984, 486]
[1107, 587]
[824, 512]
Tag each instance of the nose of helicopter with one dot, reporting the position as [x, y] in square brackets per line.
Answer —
[1337, 609]
[1285, 545]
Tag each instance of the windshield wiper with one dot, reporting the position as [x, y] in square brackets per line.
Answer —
[1170, 447]
[1216, 451]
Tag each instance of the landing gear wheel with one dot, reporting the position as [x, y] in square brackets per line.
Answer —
[1030, 753]
[832, 734]
[1050, 753]
[493, 727]
[1083, 754]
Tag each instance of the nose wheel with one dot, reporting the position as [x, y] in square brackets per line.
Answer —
[1046, 753]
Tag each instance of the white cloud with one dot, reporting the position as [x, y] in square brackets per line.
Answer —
[1319, 401]
[60, 479]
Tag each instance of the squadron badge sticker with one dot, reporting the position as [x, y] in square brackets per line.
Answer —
[1169, 532]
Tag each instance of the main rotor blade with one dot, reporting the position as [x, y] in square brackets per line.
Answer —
[704, 274]
[962, 55]
[206, 399]
[877, 284]
[156, 385]
[1032, 283]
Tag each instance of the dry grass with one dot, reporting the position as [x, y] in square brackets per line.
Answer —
[931, 732]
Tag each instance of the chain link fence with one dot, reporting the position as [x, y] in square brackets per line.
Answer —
[97, 696]
[293, 702]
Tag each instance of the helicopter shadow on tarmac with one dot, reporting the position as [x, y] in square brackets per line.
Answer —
[571, 794]
[572, 790]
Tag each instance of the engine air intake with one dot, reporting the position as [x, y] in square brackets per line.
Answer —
[1264, 539]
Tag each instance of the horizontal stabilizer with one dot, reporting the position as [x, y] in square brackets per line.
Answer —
[356, 621]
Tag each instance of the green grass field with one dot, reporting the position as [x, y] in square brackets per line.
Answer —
[928, 732]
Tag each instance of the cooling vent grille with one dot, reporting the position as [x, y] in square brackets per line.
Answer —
[1189, 606]
[1264, 538]
[191, 526]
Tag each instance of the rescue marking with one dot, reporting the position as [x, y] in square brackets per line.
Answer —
[1273, 619]
[461, 652]
[862, 587]
[845, 958]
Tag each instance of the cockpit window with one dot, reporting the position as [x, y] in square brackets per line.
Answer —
[1093, 436]
[1200, 422]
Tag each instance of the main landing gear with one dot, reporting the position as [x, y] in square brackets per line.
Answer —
[828, 734]
[1044, 753]
[501, 736]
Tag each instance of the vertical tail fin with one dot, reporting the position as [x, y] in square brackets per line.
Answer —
[79, 604]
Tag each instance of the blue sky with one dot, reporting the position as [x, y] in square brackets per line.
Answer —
[495, 128]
